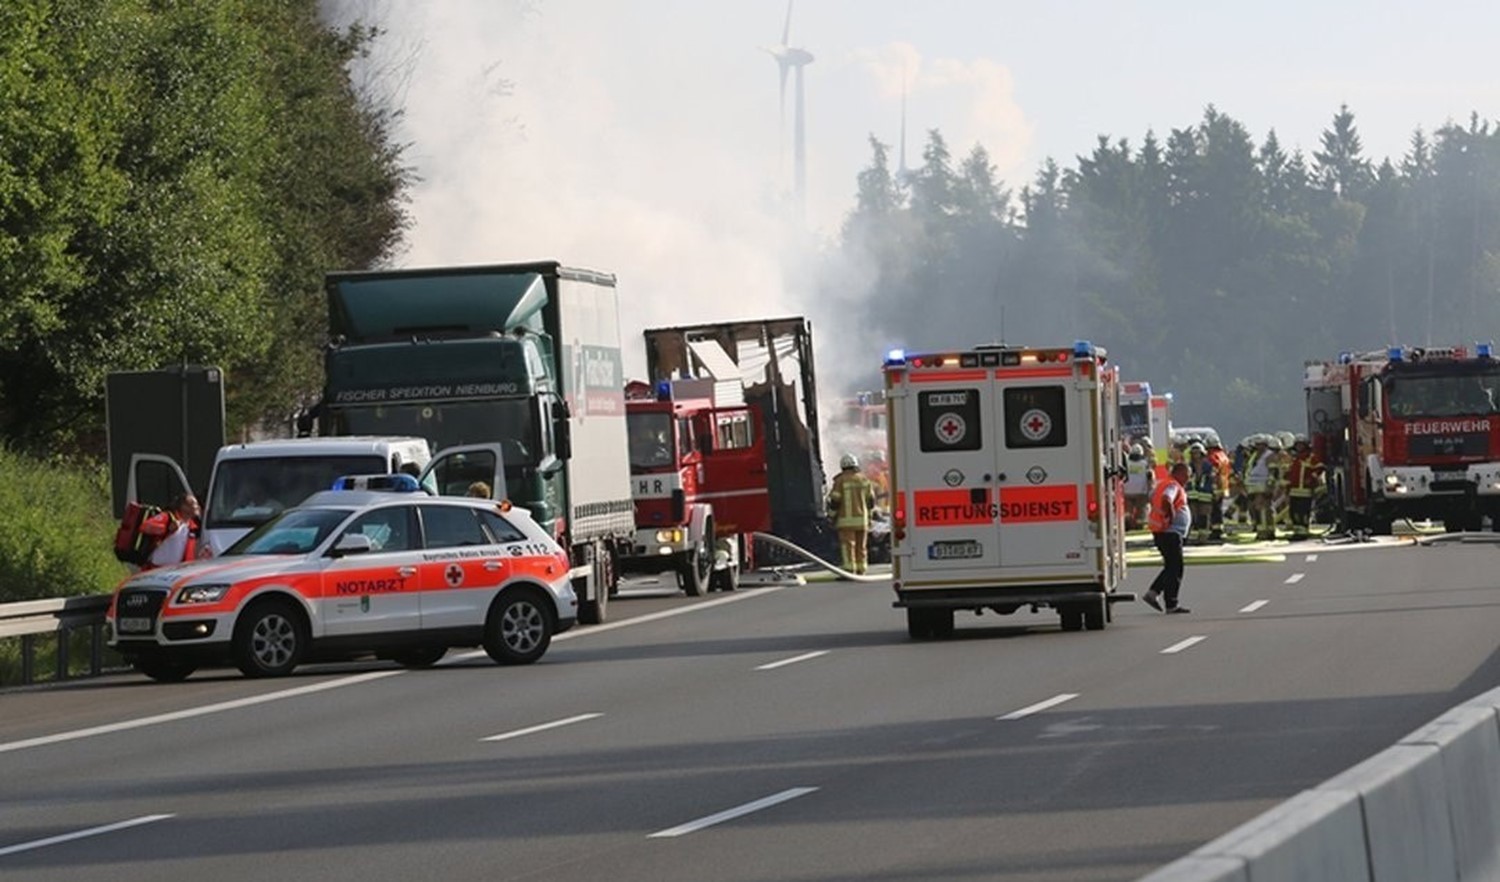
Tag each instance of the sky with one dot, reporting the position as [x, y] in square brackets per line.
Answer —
[644, 138]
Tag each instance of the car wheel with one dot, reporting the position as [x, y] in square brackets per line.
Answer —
[519, 629]
[419, 656]
[165, 668]
[270, 639]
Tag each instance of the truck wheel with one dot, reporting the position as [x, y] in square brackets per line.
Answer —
[165, 668]
[419, 656]
[1072, 617]
[694, 570]
[1096, 614]
[594, 611]
[270, 639]
[518, 630]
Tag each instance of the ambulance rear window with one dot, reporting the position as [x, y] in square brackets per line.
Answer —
[1035, 416]
[949, 420]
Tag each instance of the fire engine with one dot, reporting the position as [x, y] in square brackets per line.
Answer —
[1408, 432]
[1007, 484]
[698, 479]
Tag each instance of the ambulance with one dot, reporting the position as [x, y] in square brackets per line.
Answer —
[1007, 477]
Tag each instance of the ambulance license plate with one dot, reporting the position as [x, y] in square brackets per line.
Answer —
[135, 625]
[954, 550]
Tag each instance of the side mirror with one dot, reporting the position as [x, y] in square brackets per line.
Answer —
[562, 430]
[353, 543]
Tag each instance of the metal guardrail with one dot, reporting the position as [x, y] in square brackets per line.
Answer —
[60, 617]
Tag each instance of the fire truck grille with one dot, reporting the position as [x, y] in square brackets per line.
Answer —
[1462, 444]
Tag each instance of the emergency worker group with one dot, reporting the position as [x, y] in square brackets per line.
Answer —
[1270, 481]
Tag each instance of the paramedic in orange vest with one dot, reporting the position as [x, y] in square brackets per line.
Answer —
[175, 531]
[1170, 521]
[850, 502]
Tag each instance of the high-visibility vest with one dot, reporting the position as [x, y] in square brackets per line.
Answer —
[1202, 480]
[1302, 475]
[1164, 512]
[852, 497]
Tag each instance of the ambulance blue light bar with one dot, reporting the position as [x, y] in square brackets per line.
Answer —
[1083, 349]
[895, 357]
[1484, 350]
[1395, 353]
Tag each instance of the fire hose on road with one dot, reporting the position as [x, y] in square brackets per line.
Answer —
[814, 559]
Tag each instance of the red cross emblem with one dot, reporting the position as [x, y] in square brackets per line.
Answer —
[1035, 424]
[951, 428]
[454, 574]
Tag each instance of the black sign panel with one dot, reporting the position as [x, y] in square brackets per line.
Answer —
[176, 412]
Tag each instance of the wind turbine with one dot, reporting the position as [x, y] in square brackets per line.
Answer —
[789, 58]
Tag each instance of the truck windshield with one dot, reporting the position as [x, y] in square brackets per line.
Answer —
[249, 492]
[509, 421]
[1468, 394]
[650, 441]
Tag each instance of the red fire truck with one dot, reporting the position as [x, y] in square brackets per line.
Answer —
[698, 478]
[1408, 432]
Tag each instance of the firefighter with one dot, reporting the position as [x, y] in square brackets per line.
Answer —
[1140, 480]
[850, 503]
[1304, 476]
[1222, 469]
[879, 473]
[1281, 462]
[1258, 486]
[1200, 491]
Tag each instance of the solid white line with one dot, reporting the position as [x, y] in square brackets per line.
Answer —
[531, 730]
[83, 834]
[1178, 647]
[1027, 711]
[1311, 558]
[731, 814]
[1294, 578]
[191, 712]
[791, 661]
[1254, 606]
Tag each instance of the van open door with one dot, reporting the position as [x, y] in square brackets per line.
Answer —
[154, 479]
[453, 471]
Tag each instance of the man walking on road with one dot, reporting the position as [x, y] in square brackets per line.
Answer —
[1170, 520]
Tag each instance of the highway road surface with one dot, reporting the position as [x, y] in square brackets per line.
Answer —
[771, 734]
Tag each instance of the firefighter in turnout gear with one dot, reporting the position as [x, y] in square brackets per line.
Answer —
[1222, 469]
[1260, 488]
[1202, 477]
[1303, 479]
[850, 503]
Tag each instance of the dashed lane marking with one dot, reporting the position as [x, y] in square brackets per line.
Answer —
[1294, 578]
[1311, 558]
[82, 834]
[731, 814]
[1178, 647]
[1040, 706]
[532, 730]
[1252, 607]
[791, 661]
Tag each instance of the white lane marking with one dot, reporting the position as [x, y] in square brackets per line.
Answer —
[1294, 578]
[791, 661]
[1252, 607]
[1027, 711]
[1178, 647]
[1311, 558]
[189, 713]
[531, 730]
[731, 814]
[83, 834]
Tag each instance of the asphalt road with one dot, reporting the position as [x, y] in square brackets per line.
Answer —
[772, 734]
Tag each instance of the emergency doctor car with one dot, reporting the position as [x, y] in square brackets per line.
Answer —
[1006, 480]
[404, 576]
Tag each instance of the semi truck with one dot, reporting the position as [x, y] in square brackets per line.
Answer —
[1408, 432]
[769, 362]
[518, 365]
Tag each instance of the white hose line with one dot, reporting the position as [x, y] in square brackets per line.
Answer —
[837, 571]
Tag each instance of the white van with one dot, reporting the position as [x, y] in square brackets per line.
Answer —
[255, 480]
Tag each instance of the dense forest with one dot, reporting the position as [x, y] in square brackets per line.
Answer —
[175, 178]
[1208, 264]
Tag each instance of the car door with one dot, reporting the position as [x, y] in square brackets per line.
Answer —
[461, 567]
[734, 472]
[377, 591]
[155, 480]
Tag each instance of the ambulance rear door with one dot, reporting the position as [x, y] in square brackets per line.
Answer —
[1045, 450]
[947, 460]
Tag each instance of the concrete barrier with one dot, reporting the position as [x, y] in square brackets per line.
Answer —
[1427, 808]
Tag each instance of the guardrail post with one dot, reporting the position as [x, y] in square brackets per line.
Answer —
[96, 650]
[62, 653]
[28, 652]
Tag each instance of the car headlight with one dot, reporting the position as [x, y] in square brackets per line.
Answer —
[1392, 480]
[673, 535]
[202, 593]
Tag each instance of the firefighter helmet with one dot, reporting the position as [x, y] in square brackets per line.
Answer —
[1197, 447]
[1137, 450]
[850, 461]
[1273, 442]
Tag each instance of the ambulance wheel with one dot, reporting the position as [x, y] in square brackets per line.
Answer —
[419, 656]
[929, 624]
[1072, 617]
[519, 628]
[270, 639]
[1096, 614]
[165, 668]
